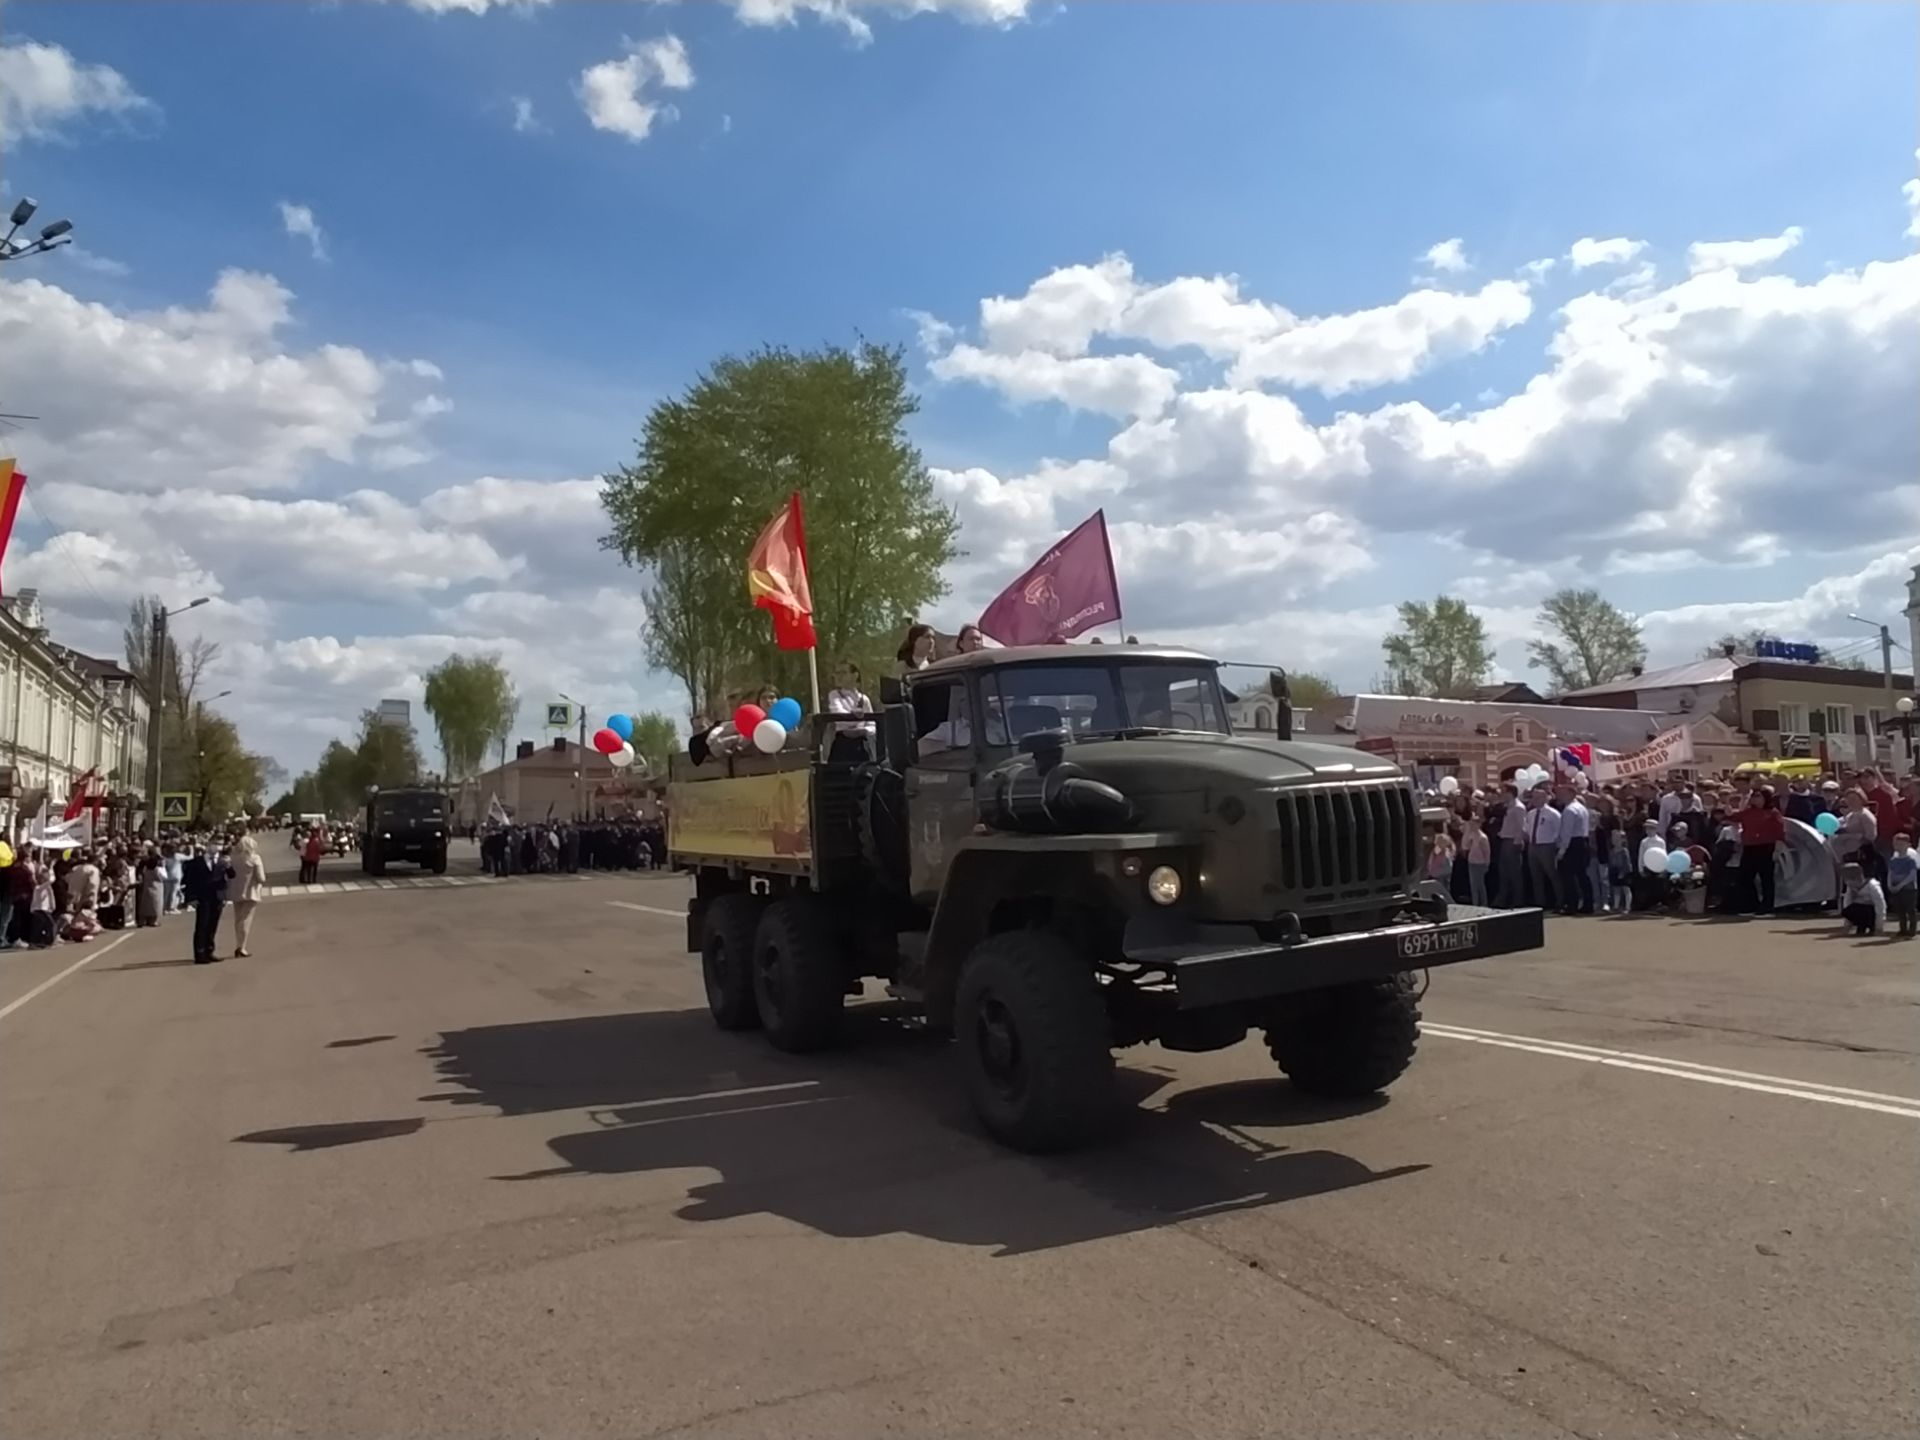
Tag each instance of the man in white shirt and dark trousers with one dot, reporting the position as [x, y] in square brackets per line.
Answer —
[1542, 832]
[1513, 853]
[1575, 851]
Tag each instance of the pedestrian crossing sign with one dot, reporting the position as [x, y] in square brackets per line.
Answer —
[177, 807]
[559, 715]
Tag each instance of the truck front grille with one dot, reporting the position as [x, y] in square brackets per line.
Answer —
[1335, 837]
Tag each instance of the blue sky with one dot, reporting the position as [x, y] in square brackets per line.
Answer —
[812, 184]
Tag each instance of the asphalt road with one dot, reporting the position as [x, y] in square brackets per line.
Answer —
[469, 1160]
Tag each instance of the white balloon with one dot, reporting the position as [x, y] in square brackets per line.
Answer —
[622, 758]
[1449, 785]
[1654, 862]
[769, 736]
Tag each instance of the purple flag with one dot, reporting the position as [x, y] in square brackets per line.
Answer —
[1071, 590]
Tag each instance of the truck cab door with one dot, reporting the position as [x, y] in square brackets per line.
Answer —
[939, 783]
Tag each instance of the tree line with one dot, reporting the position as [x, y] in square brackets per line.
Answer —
[1441, 649]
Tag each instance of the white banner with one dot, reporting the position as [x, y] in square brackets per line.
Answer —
[1666, 751]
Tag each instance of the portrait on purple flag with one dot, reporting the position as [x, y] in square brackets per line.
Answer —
[1071, 590]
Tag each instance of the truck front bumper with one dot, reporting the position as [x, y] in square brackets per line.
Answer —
[1208, 975]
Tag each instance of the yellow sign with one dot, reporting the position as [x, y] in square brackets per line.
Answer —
[749, 817]
[176, 806]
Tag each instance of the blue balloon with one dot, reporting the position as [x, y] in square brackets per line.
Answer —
[621, 725]
[1827, 823]
[788, 713]
[1678, 862]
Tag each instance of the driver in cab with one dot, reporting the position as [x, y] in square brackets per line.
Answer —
[953, 733]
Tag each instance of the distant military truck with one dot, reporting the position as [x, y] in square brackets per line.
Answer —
[1051, 852]
[405, 824]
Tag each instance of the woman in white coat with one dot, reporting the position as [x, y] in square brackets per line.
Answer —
[249, 883]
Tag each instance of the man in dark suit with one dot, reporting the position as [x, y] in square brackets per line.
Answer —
[204, 883]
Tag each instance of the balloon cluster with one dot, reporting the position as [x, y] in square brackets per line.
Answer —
[768, 728]
[1449, 785]
[615, 741]
[1529, 779]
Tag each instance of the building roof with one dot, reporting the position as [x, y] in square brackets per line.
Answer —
[1516, 690]
[1717, 671]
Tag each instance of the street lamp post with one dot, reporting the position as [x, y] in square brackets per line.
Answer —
[51, 237]
[157, 702]
[1886, 669]
[1903, 707]
[580, 764]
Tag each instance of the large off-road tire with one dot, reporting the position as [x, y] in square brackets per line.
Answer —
[439, 862]
[726, 960]
[1035, 1043]
[799, 974]
[1348, 1041]
[376, 863]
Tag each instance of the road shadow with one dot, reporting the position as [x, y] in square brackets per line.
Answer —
[356, 1040]
[145, 965]
[876, 1138]
[301, 1138]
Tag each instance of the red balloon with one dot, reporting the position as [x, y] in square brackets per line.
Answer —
[606, 742]
[746, 717]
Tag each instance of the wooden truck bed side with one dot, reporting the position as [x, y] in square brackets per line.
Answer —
[747, 811]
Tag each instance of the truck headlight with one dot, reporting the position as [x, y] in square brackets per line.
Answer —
[386, 835]
[1163, 884]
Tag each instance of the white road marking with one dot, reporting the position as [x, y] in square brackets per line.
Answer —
[1904, 1105]
[718, 1095]
[647, 909]
[46, 985]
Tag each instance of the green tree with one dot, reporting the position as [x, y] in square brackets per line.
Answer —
[655, 738]
[1439, 650]
[473, 705]
[1597, 641]
[1309, 687]
[385, 755]
[715, 464]
[338, 780]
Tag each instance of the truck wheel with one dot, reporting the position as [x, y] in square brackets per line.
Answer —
[726, 960]
[440, 862]
[1348, 1041]
[1035, 1044]
[376, 865]
[799, 978]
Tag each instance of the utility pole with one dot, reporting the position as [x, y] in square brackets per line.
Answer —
[156, 705]
[1886, 681]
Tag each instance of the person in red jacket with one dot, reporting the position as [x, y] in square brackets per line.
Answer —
[1762, 827]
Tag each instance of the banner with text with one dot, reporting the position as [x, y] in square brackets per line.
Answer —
[1666, 751]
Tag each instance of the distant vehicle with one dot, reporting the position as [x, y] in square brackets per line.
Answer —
[405, 824]
[307, 822]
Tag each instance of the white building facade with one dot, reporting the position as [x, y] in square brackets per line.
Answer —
[62, 714]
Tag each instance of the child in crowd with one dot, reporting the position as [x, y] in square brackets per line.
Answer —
[1440, 858]
[1863, 904]
[1620, 875]
[1903, 885]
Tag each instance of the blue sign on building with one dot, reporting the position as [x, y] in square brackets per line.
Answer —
[1787, 650]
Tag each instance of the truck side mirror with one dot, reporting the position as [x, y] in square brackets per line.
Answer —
[897, 748]
[1282, 703]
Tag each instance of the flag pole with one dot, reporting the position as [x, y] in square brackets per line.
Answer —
[813, 672]
[813, 650]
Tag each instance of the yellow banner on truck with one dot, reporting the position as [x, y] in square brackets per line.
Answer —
[747, 817]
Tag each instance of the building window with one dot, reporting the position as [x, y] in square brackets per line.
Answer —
[1793, 719]
[1839, 719]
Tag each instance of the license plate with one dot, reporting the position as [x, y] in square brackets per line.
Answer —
[1420, 944]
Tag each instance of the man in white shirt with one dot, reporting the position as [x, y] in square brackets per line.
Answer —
[1574, 852]
[1543, 849]
[1513, 851]
[1670, 806]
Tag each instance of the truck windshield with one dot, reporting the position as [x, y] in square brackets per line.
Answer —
[410, 807]
[1090, 698]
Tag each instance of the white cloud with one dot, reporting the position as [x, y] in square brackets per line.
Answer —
[1118, 385]
[298, 221]
[472, 7]
[1911, 191]
[525, 122]
[204, 398]
[97, 264]
[1339, 353]
[45, 92]
[1448, 256]
[618, 95]
[1708, 255]
[1588, 251]
[849, 14]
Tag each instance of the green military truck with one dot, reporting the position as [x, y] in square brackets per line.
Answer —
[405, 823]
[1055, 851]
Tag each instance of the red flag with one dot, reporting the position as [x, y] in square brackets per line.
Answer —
[12, 483]
[777, 578]
[79, 800]
[1071, 590]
